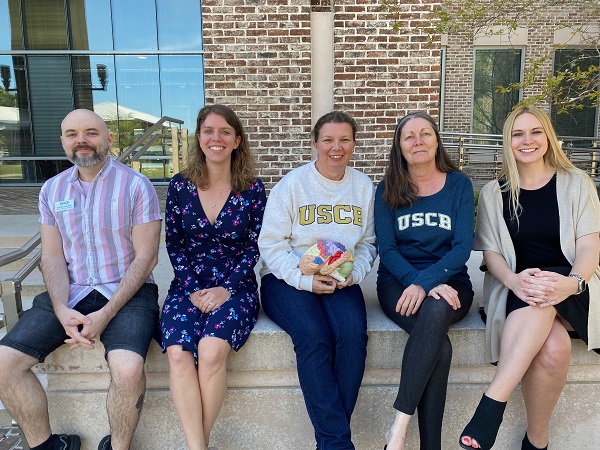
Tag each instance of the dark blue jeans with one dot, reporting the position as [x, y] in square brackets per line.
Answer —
[329, 333]
[427, 356]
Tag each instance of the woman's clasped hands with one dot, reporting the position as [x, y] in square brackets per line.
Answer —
[542, 288]
[208, 300]
[324, 284]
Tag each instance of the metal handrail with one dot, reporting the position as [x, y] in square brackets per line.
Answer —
[147, 145]
[148, 132]
[20, 253]
[480, 155]
[14, 283]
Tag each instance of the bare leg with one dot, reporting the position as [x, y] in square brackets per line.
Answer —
[212, 375]
[23, 395]
[185, 391]
[397, 434]
[524, 334]
[543, 382]
[125, 396]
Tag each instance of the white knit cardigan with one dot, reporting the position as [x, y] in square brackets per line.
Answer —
[579, 212]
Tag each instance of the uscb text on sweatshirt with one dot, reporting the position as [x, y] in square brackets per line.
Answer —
[305, 207]
[429, 242]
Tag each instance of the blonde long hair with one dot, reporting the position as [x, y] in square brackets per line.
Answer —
[555, 159]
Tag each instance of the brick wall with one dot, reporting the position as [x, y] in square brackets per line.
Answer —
[257, 60]
[382, 74]
[459, 63]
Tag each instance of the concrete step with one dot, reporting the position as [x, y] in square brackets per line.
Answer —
[14, 241]
[31, 286]
[264, 397]
[26, 302]
[16, 230]
[264, 408]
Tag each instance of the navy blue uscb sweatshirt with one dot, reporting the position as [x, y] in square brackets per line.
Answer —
[428, 243]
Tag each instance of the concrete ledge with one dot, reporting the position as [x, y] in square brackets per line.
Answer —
[275, 418]
[265, 409]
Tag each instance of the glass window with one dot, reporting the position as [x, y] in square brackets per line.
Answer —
[576, 122]
[182, 87]
[5, 28]
[134, 25]
[138, 91]
[45, 25]
[51, 100]
[179, 25]
[8, 94]
[130, 92]
[90, 25]
[493, 68]
[10, 29]
[94, 81]
[15, 131]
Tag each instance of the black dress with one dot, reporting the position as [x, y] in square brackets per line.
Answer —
[536, 238]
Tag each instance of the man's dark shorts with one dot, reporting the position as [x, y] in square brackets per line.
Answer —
[39, 332]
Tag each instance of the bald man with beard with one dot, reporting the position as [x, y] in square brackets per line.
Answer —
[100, 227]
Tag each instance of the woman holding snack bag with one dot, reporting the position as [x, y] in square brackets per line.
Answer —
[323, 209]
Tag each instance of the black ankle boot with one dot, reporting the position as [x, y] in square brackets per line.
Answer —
[526, 445]
[485, 423]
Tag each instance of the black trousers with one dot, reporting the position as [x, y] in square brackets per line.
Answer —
[427, 356]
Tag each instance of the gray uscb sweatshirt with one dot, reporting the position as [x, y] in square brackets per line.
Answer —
[305, 207]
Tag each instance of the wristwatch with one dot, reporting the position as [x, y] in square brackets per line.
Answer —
[581, 281]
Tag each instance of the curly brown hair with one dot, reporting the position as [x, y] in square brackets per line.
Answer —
[243, 168]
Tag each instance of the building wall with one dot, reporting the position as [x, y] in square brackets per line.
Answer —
[538, 41]
[258, 61]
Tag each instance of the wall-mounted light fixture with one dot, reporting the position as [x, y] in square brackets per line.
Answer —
[102, 77]
[5, 75]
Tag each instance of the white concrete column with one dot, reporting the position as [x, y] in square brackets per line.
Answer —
[321, 40]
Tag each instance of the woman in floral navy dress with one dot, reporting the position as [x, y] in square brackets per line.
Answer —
[213, 217]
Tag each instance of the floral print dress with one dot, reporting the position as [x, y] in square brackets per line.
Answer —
[206, 255]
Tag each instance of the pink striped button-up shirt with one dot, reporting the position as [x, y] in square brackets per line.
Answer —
[96, 229]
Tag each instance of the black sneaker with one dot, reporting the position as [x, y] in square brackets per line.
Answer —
[67, 442]
[105, 443]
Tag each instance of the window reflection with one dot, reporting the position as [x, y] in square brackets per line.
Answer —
[493, 68]
[580, 121]
[138, 91]
[134, 25]
[45, 25]
[5, 28]
[130, 92]
[179, 24]
[49, 79]
[90, 24]
[15, 133]
[182, 83]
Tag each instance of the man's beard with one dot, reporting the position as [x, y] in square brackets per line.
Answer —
[88, 160]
